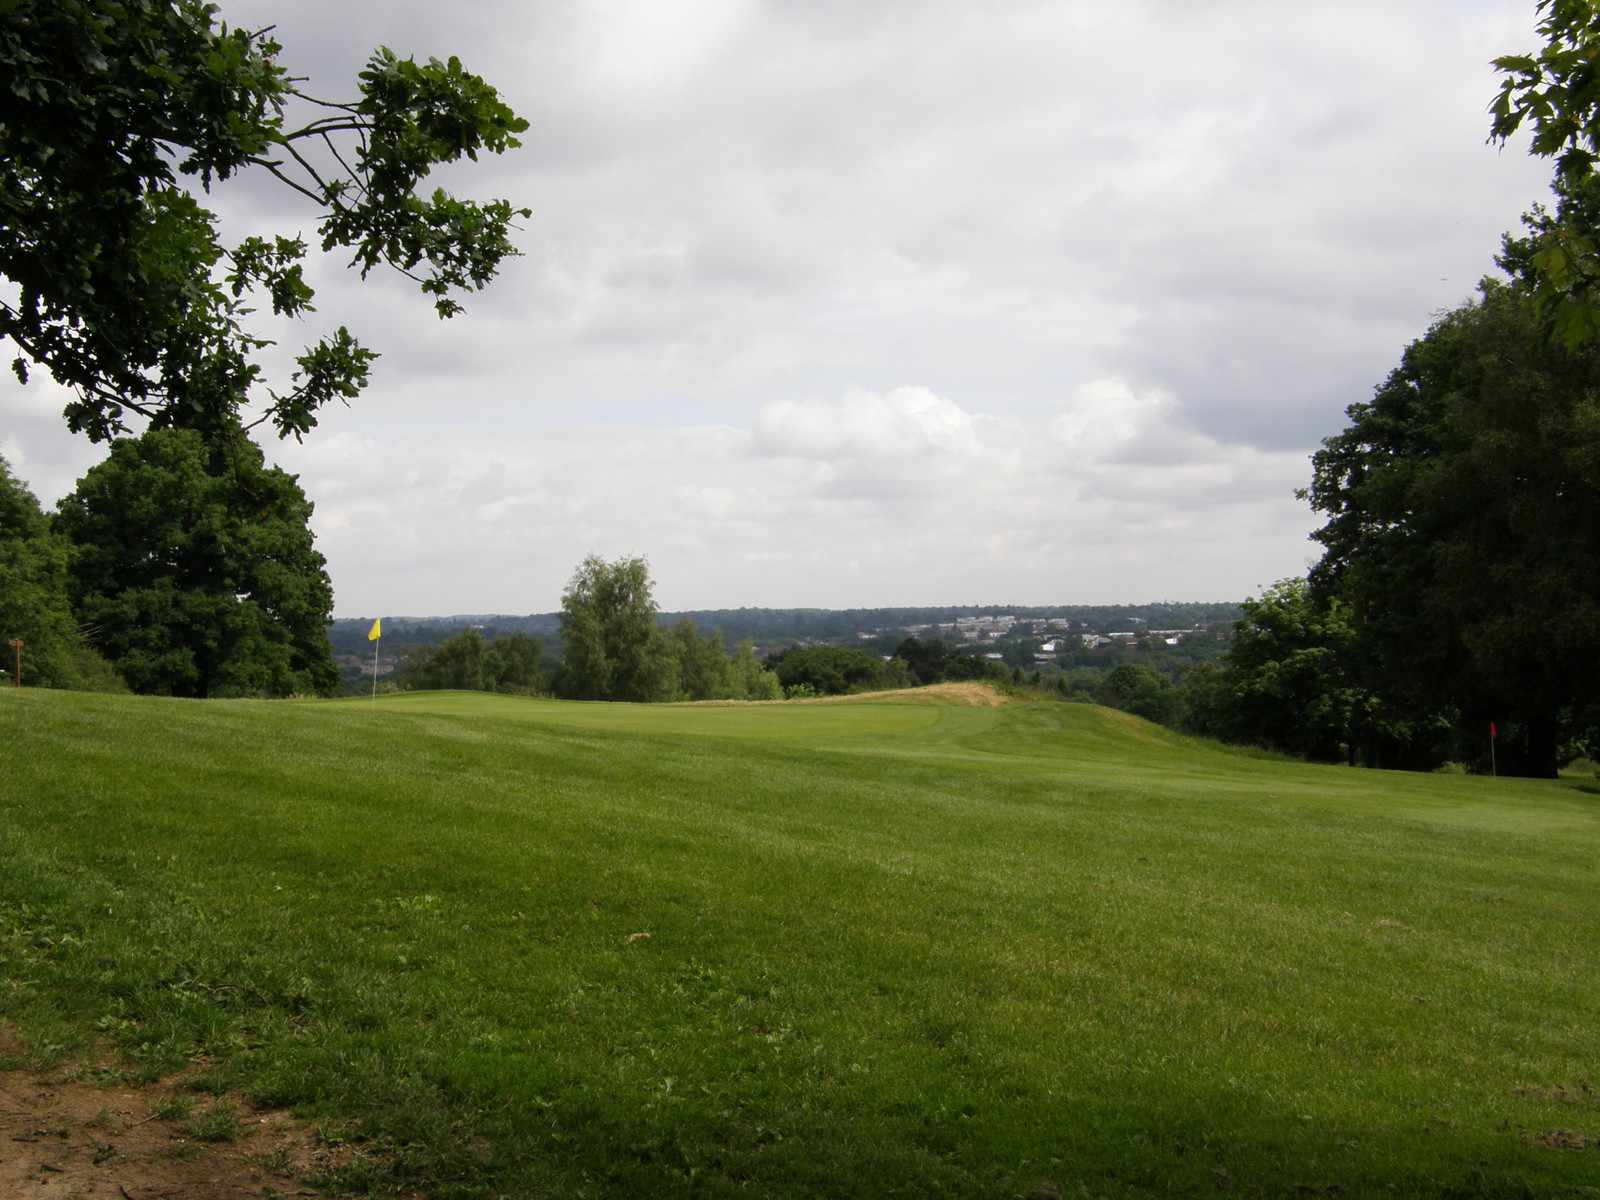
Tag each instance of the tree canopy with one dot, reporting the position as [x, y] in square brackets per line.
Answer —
[469, 662]
[120, 116]
[194, 566]
[1463, 502]
[1287, 686]
[831, 670]
[612, 648]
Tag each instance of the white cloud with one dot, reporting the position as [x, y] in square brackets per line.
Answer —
[906, 485]
[910, 422]
[1135, 258]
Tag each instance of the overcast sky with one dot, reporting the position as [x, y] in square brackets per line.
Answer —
[852, 303]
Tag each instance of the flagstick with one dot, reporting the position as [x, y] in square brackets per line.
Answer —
[377, 642]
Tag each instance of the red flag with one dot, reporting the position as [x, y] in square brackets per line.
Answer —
[1491, 731]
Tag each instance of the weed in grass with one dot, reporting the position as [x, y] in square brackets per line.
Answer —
[217, 1123]
[213, 1083]
[41, 1057]
[100, 1120]
[171, 1108]
[277, 1160]
[145, 1074]
[186, 1151]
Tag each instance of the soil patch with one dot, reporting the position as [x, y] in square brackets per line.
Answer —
[970, 695]
[68, 1135]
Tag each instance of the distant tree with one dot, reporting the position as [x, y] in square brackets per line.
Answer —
[34, 605]
[195, 568]
[1082, 684]
[702, 662]
[1287, 684]
[466, 661]
[119, 121]
[925, 661]
[934, 662]
[512, 663]
[1142, 692]
[962, 668]
[457, 663]
[612, 646]
[750, 679]
[829, 670]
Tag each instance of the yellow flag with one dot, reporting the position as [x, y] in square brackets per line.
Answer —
[376, 631]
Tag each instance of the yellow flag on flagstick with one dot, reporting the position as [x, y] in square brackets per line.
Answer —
[373, 635]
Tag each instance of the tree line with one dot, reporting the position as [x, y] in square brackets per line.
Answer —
[616, 648]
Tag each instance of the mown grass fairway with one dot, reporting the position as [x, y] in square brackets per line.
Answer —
[890, 948]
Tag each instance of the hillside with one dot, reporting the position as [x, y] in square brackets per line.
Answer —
[893, 946]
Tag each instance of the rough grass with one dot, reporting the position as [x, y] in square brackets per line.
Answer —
[891, 947]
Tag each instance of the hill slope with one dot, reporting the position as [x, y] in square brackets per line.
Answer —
[891, 947]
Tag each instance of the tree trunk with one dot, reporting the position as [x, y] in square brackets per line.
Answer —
[1542, 747]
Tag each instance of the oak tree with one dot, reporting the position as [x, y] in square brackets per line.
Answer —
[1462, 507]
[195, 568]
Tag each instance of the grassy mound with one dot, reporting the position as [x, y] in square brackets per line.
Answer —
[895, 947]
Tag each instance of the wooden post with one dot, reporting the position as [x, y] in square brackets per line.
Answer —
[16, 649]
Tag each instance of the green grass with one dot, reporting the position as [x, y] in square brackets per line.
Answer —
[885, 948]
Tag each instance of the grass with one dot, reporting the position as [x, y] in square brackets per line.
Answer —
[888, 948]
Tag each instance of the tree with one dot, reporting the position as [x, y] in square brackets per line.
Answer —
[458, 663]
[118, 113]
[612, 648]
[1462, 505]
[829, 670]
[702, 662]
[1287, 685]
[34, 607]
[925, 661]
[750, 679]
[512, 663]
[467, 662]
[1557, 93]
[934, 662]
[1140, 691]
[195, 568]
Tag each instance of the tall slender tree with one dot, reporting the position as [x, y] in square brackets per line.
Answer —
[612, 647]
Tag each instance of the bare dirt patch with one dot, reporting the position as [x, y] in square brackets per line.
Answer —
[969, 695]
[64, 1136]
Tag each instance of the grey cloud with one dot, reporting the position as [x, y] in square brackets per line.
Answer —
[1141, 255]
